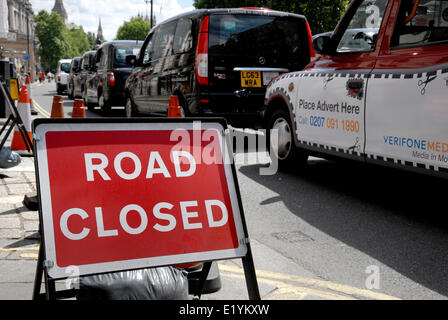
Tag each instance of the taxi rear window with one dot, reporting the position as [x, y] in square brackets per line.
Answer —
[121, 52]
[65, 67]
[238, 34]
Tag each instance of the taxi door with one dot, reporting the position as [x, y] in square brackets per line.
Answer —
[333, 119]
[406, 117]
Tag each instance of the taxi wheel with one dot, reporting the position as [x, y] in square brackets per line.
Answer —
[283, 148]
[88, 104]
[104, 105]
[130, 108]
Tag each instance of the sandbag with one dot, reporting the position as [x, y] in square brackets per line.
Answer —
[164, 283]
[8, 158]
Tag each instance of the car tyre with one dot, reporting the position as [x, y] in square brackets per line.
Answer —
[284, 149]
[130, 108]
[104, 105]
[90, 106]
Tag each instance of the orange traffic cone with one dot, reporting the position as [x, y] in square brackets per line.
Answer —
[174, 110]
[78, 109]
[24, 109]
[30, 95]
[57, 110]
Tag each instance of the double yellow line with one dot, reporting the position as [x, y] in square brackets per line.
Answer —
[41, 110]
[281, 281]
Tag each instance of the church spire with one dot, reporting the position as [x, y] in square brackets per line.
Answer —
[99, 36]
[59, 8]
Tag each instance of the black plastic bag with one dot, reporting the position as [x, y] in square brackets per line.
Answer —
[165, 283]
[8, 158]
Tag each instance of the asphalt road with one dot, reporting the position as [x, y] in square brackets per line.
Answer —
[355, 227]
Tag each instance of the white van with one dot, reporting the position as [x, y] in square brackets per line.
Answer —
[62, 75]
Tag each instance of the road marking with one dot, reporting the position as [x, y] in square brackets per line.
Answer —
[29, 255]
[21, 249]
[298, 292]
[351, 291]
[41, 110]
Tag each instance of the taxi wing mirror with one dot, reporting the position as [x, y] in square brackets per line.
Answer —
[323, 45]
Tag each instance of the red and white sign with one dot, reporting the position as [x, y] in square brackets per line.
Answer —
[120, 196]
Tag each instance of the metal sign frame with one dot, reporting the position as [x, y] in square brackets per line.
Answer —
[14, 119]
[46, 265]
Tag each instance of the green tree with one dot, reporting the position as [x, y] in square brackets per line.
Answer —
[78, 41]
[91, 39]
[322, 15]
[58, 41]
[51, 31]
[135, 29]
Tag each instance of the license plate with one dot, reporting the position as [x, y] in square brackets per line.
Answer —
[251, 79]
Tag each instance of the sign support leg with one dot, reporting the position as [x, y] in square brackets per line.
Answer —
[204, 274]
[39, 273]
[250, 275]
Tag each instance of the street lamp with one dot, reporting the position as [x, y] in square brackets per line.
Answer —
[149, 1]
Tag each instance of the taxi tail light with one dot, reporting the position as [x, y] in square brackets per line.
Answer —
[202, 53]
[310, 40]
[59, 78]
[111, 79]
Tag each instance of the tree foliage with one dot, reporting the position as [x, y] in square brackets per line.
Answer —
[50, 30]
[77, 38]
[135, 29]
[322, 15]
[58, 41]
[91, 40]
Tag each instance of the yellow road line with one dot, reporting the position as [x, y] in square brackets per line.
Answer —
[21, 249]
[41, 110]
[29, 255]
[284, 288]
[351, 291]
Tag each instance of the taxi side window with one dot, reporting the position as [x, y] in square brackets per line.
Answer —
[147, 51]
[421, 22]
[362, 32]
[183, 41]
[164, 41]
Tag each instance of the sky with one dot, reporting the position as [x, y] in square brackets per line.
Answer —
[113, 13]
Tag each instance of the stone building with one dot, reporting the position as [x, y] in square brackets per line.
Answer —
[17, 40]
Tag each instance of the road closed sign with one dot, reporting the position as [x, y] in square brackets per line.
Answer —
[121, 194]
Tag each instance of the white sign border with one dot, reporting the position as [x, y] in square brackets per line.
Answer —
[57, 272]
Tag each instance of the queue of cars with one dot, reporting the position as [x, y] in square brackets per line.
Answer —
[98, 77]
[376, 92]
[217, 62]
